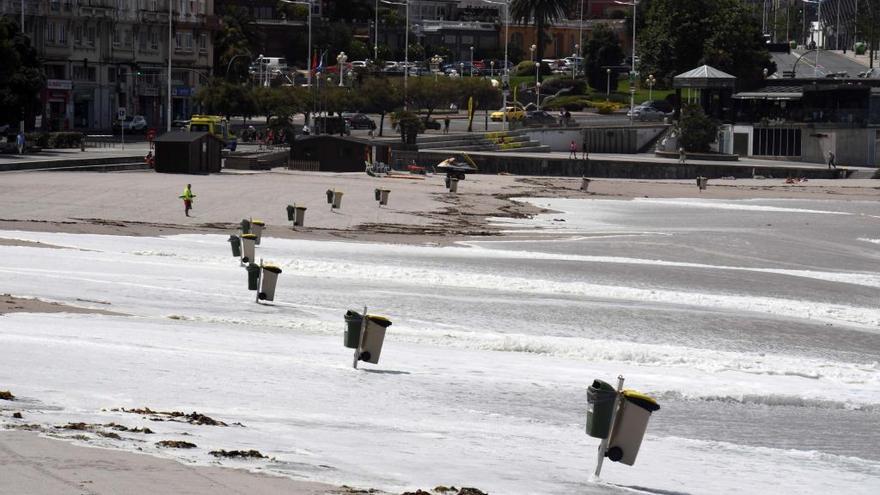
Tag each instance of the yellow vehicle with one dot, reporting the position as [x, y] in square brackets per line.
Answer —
[513, 113]
[216, 125]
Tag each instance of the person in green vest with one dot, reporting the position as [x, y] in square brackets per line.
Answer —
[187, 198]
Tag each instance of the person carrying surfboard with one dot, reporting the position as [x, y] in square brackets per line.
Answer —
[187, 198]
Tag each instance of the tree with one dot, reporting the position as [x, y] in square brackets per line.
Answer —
[381, 95]
[221, 97]
[601, 51]
[869, 27]
[682, 34]
[235, 43]
[543, 12]
[427, 93]
[21, 78]
[696, 130]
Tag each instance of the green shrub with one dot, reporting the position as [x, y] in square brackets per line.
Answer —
[571, 103]
[527, 68]
[54, 139]
[698, 130]
[605, 107]
[860, 48]
[554, 85]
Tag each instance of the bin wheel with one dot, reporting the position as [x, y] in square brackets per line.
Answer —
[245, 259]
[365, 356]
[615, 454]
[262, 296]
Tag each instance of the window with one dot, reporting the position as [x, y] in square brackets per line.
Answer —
[54, 71]
[128, 37]
[62, 33]
[154, 39]
[50, 32]
[203, 42]
[111, 74]
[91, 35]
[183, 41]
[55, 5]
[78, 34]
[83, 73]
[142, 39]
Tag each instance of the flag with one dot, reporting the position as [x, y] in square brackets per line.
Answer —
[314, 62]
[320, 67]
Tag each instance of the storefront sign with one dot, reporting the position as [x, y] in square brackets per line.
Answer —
[59, 84]
[181, 91]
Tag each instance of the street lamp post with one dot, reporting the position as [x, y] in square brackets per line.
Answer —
[435, 61]
[538, 86]
[607, 83]
[376, 36]
[505, 78]
[537, 72]
[574, 57]
[532, 49]
[340, 64]
[472, 61]
[651, 81]
[168, 100]
[818, 31]
[632, 77]
[492, 69]
[309, 46]
[405, 52]
[461, 69]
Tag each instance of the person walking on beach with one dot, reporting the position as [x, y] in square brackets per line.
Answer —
[187, 198]
[831, 162]
[20, 142]
[446, 125]
[572, 150]
[682, 157]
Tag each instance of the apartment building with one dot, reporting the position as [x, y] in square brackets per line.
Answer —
[103, 55]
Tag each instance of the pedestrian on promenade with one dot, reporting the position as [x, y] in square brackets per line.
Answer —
[682, 157]
[585, 149]
[20, 142]
[187, 198]
[831, 162]
[446, 125]
[572, 150]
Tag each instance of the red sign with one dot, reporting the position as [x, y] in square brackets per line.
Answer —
[151, 135]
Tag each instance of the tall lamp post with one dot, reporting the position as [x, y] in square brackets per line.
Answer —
[436, 60]
[537, 73]
[538, 100]
[472, 61]
[21, 122]
[376, 36]
[505, 77]
[168, 101]
[532, 49]
[309, 46]
[818, 31]
[405, 51]
[607, 83]
[651, 81]
[492, 69]
[632, 76]
[340, 64]
[575, 64]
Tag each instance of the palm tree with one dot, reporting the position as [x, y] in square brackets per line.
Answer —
[544, 12]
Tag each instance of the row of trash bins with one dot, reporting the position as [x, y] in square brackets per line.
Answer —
[263, 277]
[369, 345]
[334, 198]
[625, 427]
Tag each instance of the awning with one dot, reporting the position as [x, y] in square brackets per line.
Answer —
[768, 95]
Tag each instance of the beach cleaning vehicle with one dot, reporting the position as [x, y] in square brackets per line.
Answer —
[216, 125]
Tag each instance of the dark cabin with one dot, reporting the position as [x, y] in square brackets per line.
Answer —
[188, 153]
[338, 154]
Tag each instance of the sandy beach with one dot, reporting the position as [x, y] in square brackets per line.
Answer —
[145, 204]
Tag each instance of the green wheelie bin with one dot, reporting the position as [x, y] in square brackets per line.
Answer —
[600, 408]
[235, 242]
[253, 271]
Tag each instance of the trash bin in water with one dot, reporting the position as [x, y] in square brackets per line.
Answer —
[299, 216]
[248, 243]
[630, 426]
[257, 229]
[291, 210]
[585, 184]
[600, 408]
[337, 199]
[245, 226]
[269, 280]
[374, 337]
[383, 196]
[235, 242]
[253, 271]
[329, 196]
[453, 185]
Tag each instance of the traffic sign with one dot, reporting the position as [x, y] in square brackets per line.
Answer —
[120, 114]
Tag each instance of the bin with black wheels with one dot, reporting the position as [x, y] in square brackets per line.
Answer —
[383, 196]
[585, 184]
[377, 193]
[253, 271]
[248, 247]
[702, 182]
[257, 227]
[235, 243]
[245, 226]
[600, 408]
[291, 211]
[329, 196]
[299, 216]
[630, 426]
[337, 200]
[268, 281]
[453, 185]
[374, 337]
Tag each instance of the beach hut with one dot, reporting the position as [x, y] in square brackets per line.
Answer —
[188, 153]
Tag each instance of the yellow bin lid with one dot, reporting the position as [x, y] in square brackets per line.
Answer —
[248, 236]
[257, 222]
[272, 268]
[642, 400]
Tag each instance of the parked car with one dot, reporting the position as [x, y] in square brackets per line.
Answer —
[431, 124]
[332, 125]
[513, 113]
[359, 64]
[131, 124]
[662, 105]
[643, 113]
[538, 118]
[359, 121]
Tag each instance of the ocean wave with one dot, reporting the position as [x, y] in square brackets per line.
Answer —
[873, 241]
[772, 400]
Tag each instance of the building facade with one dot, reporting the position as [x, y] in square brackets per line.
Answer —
[101, 56]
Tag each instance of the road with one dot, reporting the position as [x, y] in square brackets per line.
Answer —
[829, 62]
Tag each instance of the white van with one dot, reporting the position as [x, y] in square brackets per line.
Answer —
[270, 65]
